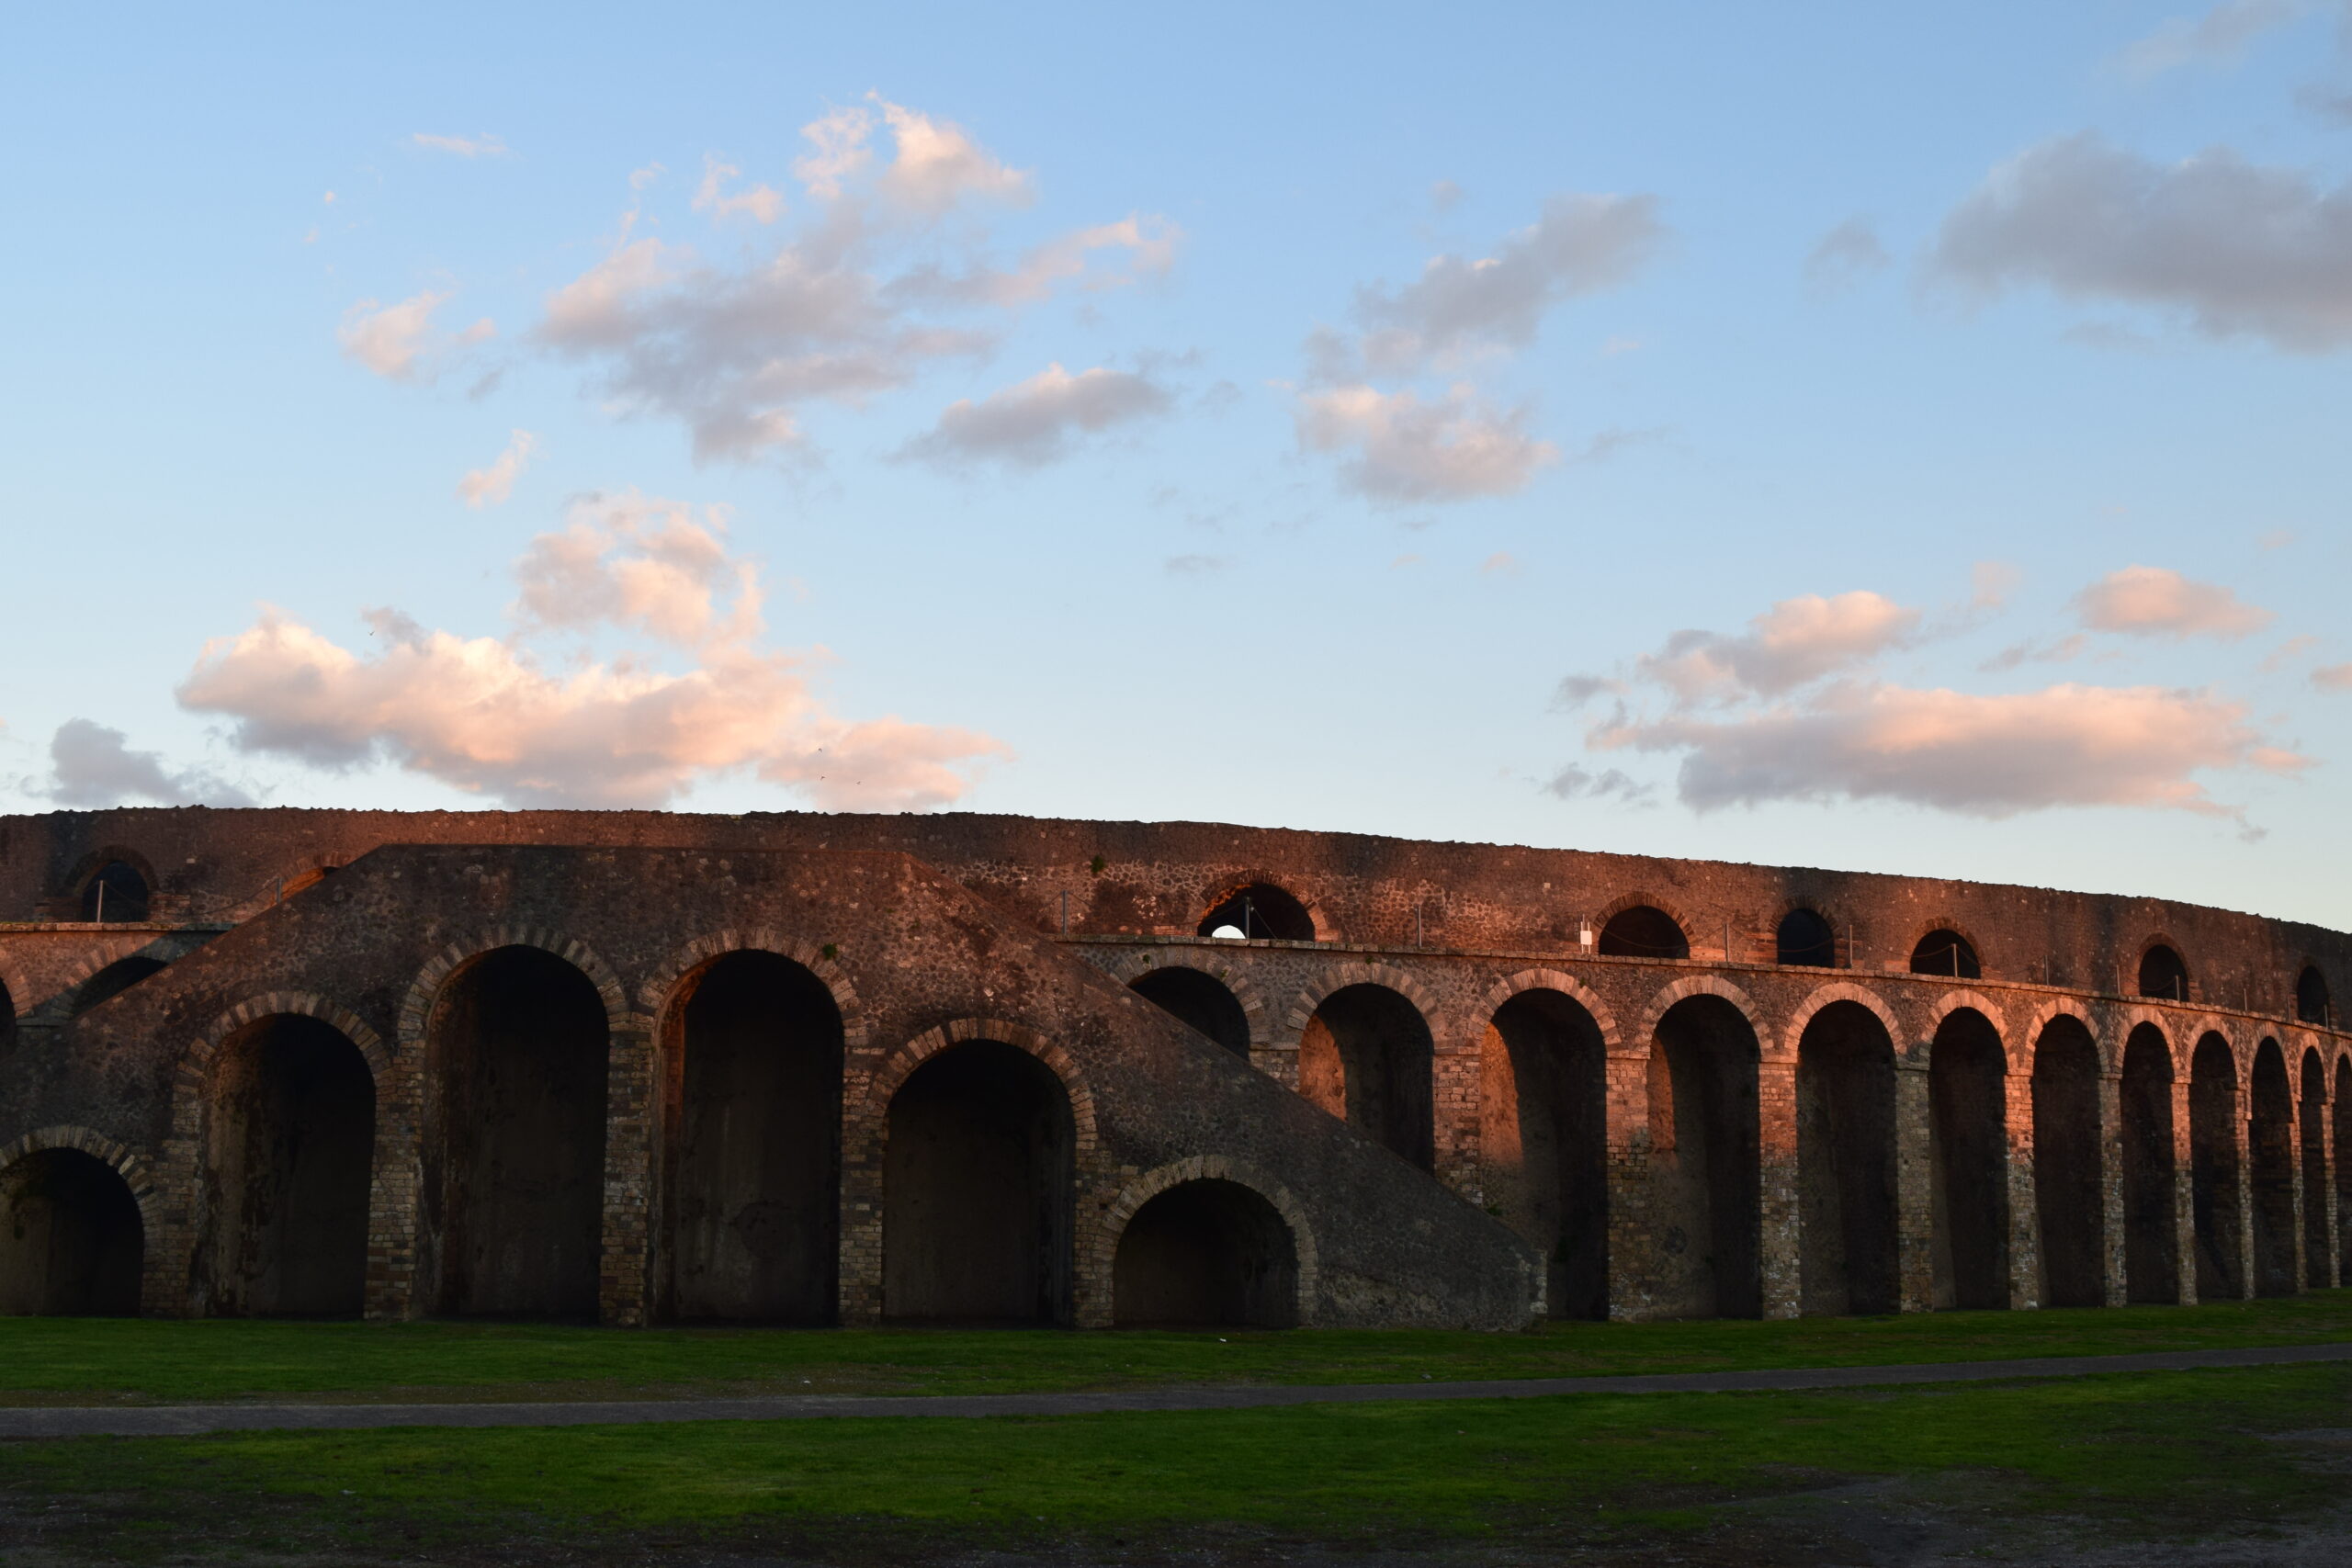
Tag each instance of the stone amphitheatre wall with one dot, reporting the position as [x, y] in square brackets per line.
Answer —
[1526, 1114]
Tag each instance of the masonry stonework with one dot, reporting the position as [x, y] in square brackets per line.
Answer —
[1362, 1135]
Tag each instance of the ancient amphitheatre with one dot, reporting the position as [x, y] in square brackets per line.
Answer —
[645, 1068]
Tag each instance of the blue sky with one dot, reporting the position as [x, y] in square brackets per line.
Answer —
[1903, 439]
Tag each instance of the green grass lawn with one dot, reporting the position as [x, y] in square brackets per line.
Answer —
[2163, 1455]
[64, 1360]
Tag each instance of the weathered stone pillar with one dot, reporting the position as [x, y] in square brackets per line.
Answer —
[1454, 1073]
[2184, 1187]
[2295, 1175]
[2329, 1153]
[2025, 1206]
[2242, 1128]
[396, 1192]
[1631, 1242]
[1779, 1255]
[1915, 1219]
[859, 1287]
[2114, 1282]
[625, 1272]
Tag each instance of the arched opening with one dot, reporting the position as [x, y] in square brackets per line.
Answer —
[1945, 952]
[2162, 974]
[1704, 1148]
[1367, 1056]
[72, 1242]
[1846, 1163]
[1201, 1000]
[2270, 1140]
[754, 1187]
[1205, 1254]
[290, 1142]
[1968, 1152]
[1643, 932]
[2150, 1204]
[2340, 1109]
[112, 981]
[2318, 1262]
[2214, 1195]
[303, 881]
[1545, 1141]
[2311, 997]
[2067, 1175]
[1806, 940]
[116, 893]
[1259, 912]
[7, 1020]
[979, 1188]
[522, 1046]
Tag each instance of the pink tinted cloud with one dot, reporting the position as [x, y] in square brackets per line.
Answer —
[2149, 601]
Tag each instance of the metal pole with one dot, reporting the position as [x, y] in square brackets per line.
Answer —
[1416, 925]
[1065, 911]
[1244, 916]
[102, 901]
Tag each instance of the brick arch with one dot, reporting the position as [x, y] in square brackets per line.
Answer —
[1567, 986]
[1839, 991]
[1132, 966]
[1325, 929]
[2128, 981]
[658, 992]
[12, 976]
[195, 1063]
[900, 1065]
[2080, 1012]
[1636, 900]
[1216, 1167]
[1700, 985]
[98, 859]
[416, 1008]
[1339, 977]
[121, 1157]
[1841, 925]
[1920, 932]
[1954, 1001]
[59, 1007]
[2123, 1020]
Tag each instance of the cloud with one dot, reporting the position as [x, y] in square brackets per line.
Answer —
[1197, 566]
[399, 343]
[1459, 309]
[869, 292]
[2147, 601]
[2060, 650]
[2238, 249]
[1035, 422]
[1990, 583]
[489, 715]
[94, 766]
[2221, 34]
[1844, 256]
[1796, 641]
[483, 146]
[1444, 194]
[492, 485]
[1988, 756]
[1502, 563]
[1573, 783]
[1402, 450]
[763, 203]
[2333, 677]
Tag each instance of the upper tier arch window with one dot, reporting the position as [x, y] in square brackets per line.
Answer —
[2162, 974]
[2312, 1002]
[1806, 940]
[1945, 952]
[116, 892]
[1258, 912]
[1643, 932]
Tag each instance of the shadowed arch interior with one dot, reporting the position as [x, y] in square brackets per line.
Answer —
[1261, 910]
[113, 980]
[290, 1138]
[1846, 1162]
[2215, 1192]
[2151, 1210]
[1367, 1057]
[520, 1044]
[2311, 1000]
[1201, 1000]
[2340, 1117]
[2270, 1139]
[756, 1113]
[72, 1241]
[1544, 1141]
[1947, 952]
[2319, 1271]
[2162, 974]
[2068, 1176]
[1704, 1148]
[1206, 1254]
[1968, 1149]
[1643, 932]
[1805, 939]
[116, 892]
[979, 1189]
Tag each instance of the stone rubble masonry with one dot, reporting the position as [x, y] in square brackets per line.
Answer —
[932, 929]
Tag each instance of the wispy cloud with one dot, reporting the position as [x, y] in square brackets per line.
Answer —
[482, 146]
[399, 342]
[2147, 601]
[487, 715]
[1400, 450]
[1844, 256]
[492, 485]
[1040, 419]
[2214, 37]
[761, 203]
[91, 765]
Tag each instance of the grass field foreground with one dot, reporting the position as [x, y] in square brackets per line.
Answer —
[96, 1361]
